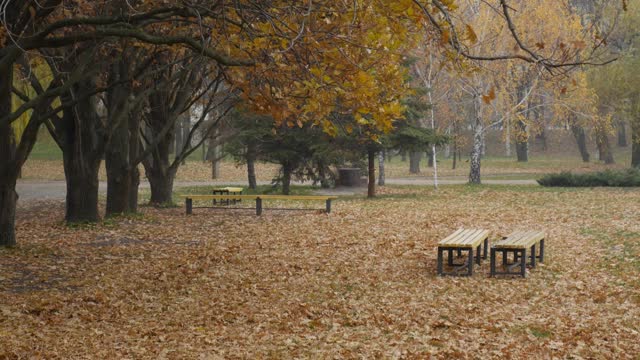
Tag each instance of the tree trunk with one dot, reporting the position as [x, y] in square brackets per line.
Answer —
[522, 142]
[135, 146]
[251, 166]
[581, 140]
[507, 137]
[161, 187]
[8, 202]
[8, 178]
[81, 174]
[175, 148]
[117, 161]
[429, 158]
[286, 179]
[381, 174]
[622, 134]
[455, 155]
[215, 163]
[604, 147]
[635, 144]
[414, 162]
[478, 129]
[82, 139]
[371, 189]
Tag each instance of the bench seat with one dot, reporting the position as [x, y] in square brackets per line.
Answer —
[518, 243]
[468, 240]
[258, 199]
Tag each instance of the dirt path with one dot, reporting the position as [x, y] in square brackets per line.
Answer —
[30, 190]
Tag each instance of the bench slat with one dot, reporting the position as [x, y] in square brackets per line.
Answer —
[520, 239]
[465, 238]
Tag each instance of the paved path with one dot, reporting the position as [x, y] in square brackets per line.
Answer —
[29, 190]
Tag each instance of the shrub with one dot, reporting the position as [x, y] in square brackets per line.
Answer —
[622, 178]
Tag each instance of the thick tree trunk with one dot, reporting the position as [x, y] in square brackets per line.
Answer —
[581, 140]
[82, 140]
[381, 174]
[81, 174]
[522, 142]
[635, 144]
[414, 162]
[286, 179]
[322, 174]
[161, 187]
[371, 189]
[8, 202]
[622, 134]
[117, 155]
[8, 178]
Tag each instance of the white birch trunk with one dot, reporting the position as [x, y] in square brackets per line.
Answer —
[478, 131]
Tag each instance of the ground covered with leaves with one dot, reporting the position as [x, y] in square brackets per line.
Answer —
[357, 283]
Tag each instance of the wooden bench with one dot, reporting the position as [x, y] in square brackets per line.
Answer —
[469, 240]
[518, 243]
[258, 199]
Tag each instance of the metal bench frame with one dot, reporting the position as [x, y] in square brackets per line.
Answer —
[519, 259]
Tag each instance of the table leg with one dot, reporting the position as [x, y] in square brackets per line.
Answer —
[492, 273]
[523, 263]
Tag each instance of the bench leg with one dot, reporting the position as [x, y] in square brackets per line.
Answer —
[478, 255]
[450, 257]
[258, 206]
[504, 257]
[492, 273]
[486, 248]
[328, 206]
[439, 261]
[523, 263]
[470, 273]
[459, 253]
[533, 256]
[189, 206]
[542, 250]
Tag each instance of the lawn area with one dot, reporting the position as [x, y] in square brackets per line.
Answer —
[45, 163]
[359, 282]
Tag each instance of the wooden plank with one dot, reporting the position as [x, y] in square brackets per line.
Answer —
[521, 239]
[453, 235]
[465, 238]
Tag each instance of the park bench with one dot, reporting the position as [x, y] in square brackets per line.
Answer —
[227, 191]
[518, 243]
[259, 199]
[468, 240]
